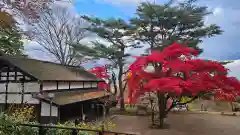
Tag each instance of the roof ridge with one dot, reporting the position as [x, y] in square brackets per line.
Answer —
[52, 71]
[44, 61]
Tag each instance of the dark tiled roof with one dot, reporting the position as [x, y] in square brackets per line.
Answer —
[64, 98]
[43, 70]
[69, 97]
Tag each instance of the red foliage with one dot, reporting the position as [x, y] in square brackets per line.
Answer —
[101, 73]
[177, 72]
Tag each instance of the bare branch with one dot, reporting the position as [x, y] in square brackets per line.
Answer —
[56, 30]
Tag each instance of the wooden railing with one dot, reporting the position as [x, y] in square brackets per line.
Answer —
[43, 128]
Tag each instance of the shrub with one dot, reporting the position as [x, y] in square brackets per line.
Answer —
[8, 126]
[22, 114]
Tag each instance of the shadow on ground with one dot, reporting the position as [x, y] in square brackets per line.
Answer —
[182, 124]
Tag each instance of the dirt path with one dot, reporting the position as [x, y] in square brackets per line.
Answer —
[182, 124]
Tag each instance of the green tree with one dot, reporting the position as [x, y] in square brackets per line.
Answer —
[118, 35]
[10, 36]
[161, 25]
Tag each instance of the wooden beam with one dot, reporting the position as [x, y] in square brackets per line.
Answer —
[22, 94]
[59, 118]
[57, 85]
[40, 105]
[15, 75]
[65, 90]
[69, 85]
[6, 88]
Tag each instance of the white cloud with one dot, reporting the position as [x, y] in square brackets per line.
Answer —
[217, 11]
[234, 69]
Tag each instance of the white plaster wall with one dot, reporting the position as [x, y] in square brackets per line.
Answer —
[14, 98]
[45, 110]
[75, 85]
[65, 85]
[30, 100]
[2, 98]
[3, 78]
[2, 87]
[17, 87]
[87, 84]
[17, 98]
[31, 87]
[49, 86]
[95, 84]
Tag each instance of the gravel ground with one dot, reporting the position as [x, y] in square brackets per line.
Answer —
[181, 124]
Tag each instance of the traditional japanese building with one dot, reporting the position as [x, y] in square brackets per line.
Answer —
[57, 92]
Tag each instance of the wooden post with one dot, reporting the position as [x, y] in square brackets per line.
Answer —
[69, 85]
[41, 129]
[74, 131]
[100, 133]
[50, 110]
[6, 86]
[22, 91]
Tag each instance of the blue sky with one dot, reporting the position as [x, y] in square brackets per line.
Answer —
[225, 14]
[223, 47]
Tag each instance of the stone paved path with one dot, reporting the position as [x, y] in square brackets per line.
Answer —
[182, 124]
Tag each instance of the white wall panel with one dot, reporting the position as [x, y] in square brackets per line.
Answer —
[3, 78]
[75, 85]
[49, 86]
[95, 84]
[31, 87]
[45, 110]
[17, 87]
[2, 98]
[14, 98]
[2, 87]
[30, 100]
[63, 85]
[14, 87]
[87, 84]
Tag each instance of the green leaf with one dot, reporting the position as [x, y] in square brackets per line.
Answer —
[161, 25]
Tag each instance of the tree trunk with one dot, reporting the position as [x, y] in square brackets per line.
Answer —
[161, 108]
[122, 106]
[232, 106]
[114, 83]
[152, 113]
[152, 109]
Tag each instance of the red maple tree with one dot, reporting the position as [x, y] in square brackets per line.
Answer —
[101, 73]
[177, 73]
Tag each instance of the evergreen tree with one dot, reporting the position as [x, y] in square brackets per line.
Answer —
[118, 34]
[161, 25]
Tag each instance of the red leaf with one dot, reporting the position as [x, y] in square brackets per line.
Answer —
[177, 72]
